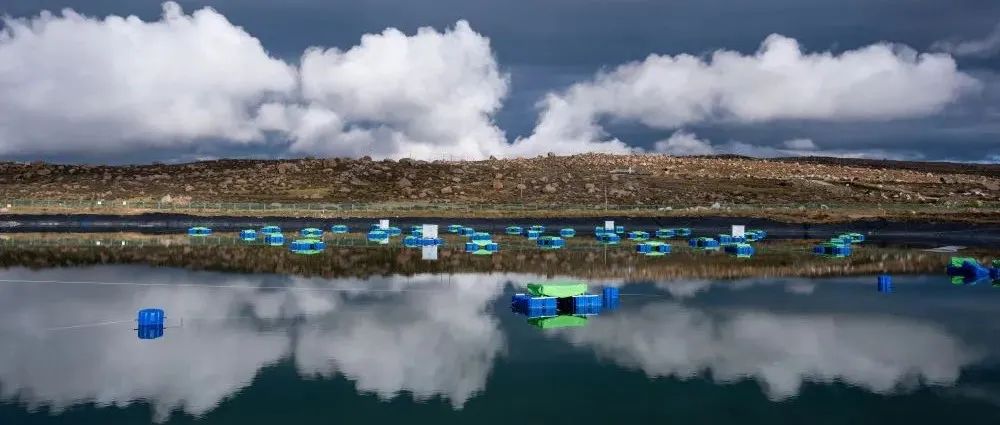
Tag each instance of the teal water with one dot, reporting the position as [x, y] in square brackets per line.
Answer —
[441, 349]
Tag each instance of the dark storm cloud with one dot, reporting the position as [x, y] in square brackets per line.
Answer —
[546, 45]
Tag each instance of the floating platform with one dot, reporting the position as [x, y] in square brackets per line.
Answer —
[480, 237]
[482, 248]
[708, 244]
[652, 248]
[730, 239]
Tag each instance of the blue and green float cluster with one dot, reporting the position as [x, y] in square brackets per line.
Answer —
[833, 250]
[740, 250]
[311, 233]
[378, 236]
[638, 235]
[551, 305]
[653, 248]
[480, 243]
[703, 243]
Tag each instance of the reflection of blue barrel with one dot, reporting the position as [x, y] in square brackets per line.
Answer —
[609, 297]
[884, 283]
[149, 332]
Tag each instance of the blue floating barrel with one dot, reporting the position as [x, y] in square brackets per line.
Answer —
[248, 234]
[311, 232]
[609, 238]
[704, 243]
[663, 248]
[338, 228]
[199, 231]
[467, 231]
[513, 230]
[471, 247]
[270, 229]
[599, 230]
[533, 235]
[538, 228]
[725, 239]
[151, 317]
[619, 229]
[568, 232]
[394, 231]
[411, 241]
[759, 234]
[455, 228]
[492, 247]
[684, 232]
[416, 229]
[643, 248]
[274, 239]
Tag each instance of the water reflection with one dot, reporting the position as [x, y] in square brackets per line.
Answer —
[440, 336]
[779, 351]
[425, 334]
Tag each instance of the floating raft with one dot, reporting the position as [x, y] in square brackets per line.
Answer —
[652, 248]
[703, 243]
[480, 237]
[729, 239]
[482, 247]
[558, 289]
[199, 231]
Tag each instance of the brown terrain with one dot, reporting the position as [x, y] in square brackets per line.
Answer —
[799, 189]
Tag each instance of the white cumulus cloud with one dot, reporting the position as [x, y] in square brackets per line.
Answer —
[70, 83]
[779, 81]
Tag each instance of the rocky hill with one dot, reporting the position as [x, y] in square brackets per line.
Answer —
[588, 179]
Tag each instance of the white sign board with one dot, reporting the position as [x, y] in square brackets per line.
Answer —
[430, 252]
[383, 224]
[429, 231]
[738, 230]
[609, 225]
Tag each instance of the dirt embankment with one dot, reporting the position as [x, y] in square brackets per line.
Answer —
[937, 190]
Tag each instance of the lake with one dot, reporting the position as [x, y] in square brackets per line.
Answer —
[369, 333]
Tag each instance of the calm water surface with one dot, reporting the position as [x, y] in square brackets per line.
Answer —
[444, 347]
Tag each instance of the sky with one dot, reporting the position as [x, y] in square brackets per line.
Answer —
[131, 81]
